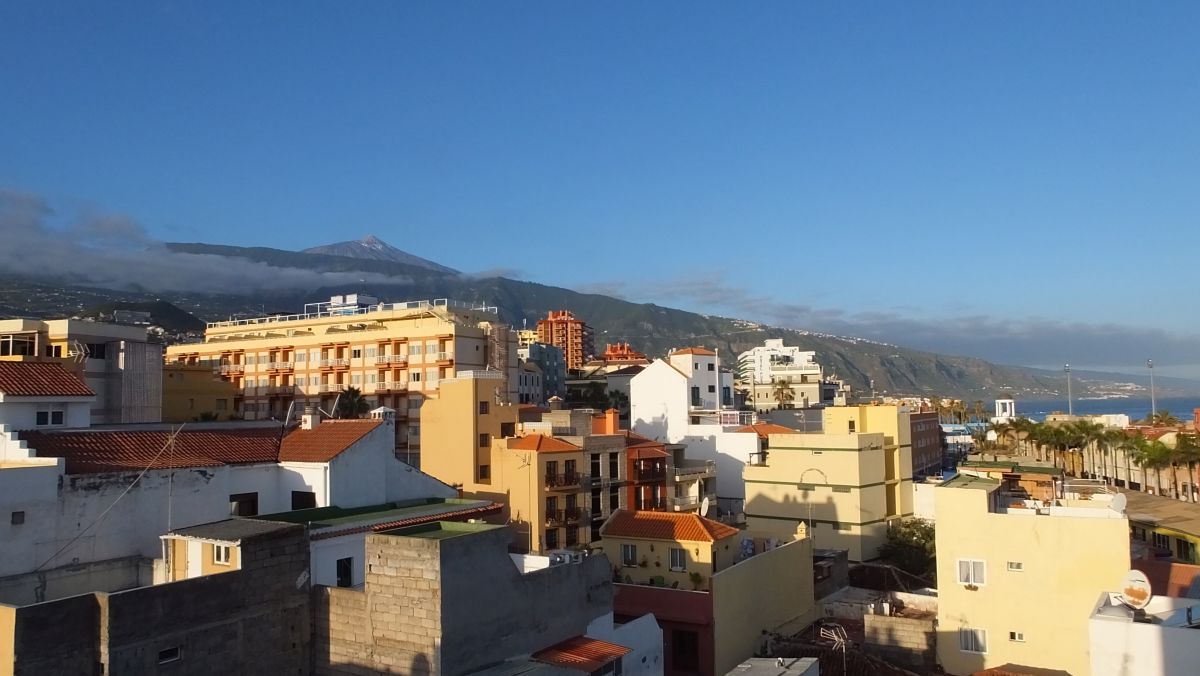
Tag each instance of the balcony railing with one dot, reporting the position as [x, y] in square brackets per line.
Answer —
[696, 470]
[567, 480]
[390, 386]
[232, 368]
[329, 387]
[444, 356]
[398, 359]
[686, 502]
[334, 363]
[281, 365]
[567, 516]
[657, 474]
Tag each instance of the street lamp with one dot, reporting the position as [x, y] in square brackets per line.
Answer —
[1153, 408]
[1070, 406]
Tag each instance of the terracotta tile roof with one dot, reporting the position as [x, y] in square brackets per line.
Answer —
[325, 441]
[94, 451]
[40, 379]
[582, 653]
[763, 430]
[118, 451]
[541, 443]
[674, 526]
[641, 447]
[1168, 578]
[698, 351]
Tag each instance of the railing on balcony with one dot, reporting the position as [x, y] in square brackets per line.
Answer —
[652, 474]
[444, 356]
[571, 515]
[758, 459]
[334, 363]
[567, 480]
[232, 368]
[652, 504]
[684, 502]
[696, 470]
[398, 359]
[281, 365]
[329, 387]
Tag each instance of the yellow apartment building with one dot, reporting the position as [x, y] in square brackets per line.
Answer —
[558, 480]
[680, 550]
[846, 486]
[193, 392]
[396, 354]
[1018, 577]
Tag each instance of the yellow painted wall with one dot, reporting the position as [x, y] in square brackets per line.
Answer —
[1067, 561]
[208, 567]
[837, 480]
[657, 554]
[188, 391]
[8, 638]
[178, 554]
[761, 593]
[451, 425]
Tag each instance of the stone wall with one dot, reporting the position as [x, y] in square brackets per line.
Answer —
[59, 637]
[900, 640]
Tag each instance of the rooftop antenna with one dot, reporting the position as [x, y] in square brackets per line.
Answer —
[1135, 593]
[704, 507]
[334, 407]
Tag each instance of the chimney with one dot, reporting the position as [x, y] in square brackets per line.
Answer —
[611, 421]
[556, 403]
[310, 419]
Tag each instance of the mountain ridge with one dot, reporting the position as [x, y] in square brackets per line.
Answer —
[374, 248]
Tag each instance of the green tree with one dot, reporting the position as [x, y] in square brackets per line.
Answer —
[1187, 451]
[351, 404]
[1155, 455]
[783, 393]
[1163, 419]
[910, 547]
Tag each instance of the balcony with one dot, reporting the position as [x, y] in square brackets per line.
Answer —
[394, 359]
[650, 475]
[570, 480]
[391, 386]
[329, 387]
[695, 469]
[444, 358]
[232, 368]
[685, 503]
[334, 363]
[281, 366]
[563, 517]
[279, 389]
[657, 504]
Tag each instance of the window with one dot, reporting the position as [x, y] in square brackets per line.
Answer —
[972, 572]
[1018, 636]
[614, 499]
[552, 538]
[629, 555]
[301, 356]
[551, 506]
[415, 377]
[167, 655]
[1161, 541]
[485, 472]
[972, 640]
[371, 351]
[356, 353]
[614, 466]
[712, 389]
[1016, 567]
[712, 367]
[414, 349]
[483, 408]
[243, 504]
[304, 500]
[52, 415]
[345, 572]
[221, 554]
[356, 379]
[97, 350]
[1185, 551]
[17, 518]
[851, 427]
[678, 559]
[508, 429]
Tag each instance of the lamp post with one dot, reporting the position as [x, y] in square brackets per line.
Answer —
[1153, 407]
[1070, 406]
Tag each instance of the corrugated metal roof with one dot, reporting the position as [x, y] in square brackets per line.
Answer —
[583, 653]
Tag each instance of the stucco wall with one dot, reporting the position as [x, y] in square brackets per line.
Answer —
[22, 413]
[760, 593]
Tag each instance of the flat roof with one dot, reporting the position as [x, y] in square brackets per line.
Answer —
[232, 530]
[969, 481]
[769, 666]
[1010, 467]
[1162, 511]
[441, 530]
[332, 517]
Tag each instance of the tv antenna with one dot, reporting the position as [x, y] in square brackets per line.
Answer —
[704, 507]
[1135, 593]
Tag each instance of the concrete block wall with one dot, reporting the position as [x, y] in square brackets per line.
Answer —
[59, 637]
[900, 640]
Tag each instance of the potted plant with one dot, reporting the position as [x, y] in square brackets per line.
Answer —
[697, 580]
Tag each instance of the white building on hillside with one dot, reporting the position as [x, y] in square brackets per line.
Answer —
[771, 358]
[688, 400]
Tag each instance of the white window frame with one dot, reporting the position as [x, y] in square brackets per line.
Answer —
[629, 556]
[678, 559]
[51, 412]
[972, 578]
[222, 554]
[1016, 636]
[1016, 567]
[971, 644]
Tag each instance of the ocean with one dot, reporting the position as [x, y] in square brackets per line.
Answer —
[1136, 408]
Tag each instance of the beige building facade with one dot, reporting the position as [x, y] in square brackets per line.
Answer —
[1018, 577]
[395, 354]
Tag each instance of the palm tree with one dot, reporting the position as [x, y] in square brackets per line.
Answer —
[351, 404]
[1001, 430]
[977, 410]
[1129, 445]
[1022, 430]
[935, 402]
[1089, 435]
[1153, 455]
[1163, 419]
[783, 393]
[1187, 450]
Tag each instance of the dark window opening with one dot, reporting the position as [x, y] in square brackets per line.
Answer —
[169, 655]
[345, 572]
[304, 500]
[243, 504]
[685, 650]
[483, 408]
[17, 518]
[508, 429]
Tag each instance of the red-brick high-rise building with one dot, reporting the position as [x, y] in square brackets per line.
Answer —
[562, 329]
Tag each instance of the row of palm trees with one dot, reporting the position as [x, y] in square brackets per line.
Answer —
[1087, 449]
[957, 410]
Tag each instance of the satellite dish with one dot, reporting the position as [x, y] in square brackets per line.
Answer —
[704, 507]
[1135, 590]
[1119, 502]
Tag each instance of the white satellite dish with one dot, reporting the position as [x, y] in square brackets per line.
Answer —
[1135, 590]
[704, 507]
[1119, 502]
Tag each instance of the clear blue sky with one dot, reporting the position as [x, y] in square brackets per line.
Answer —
[1019, 181]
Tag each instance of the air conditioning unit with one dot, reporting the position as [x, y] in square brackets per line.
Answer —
[561, 556]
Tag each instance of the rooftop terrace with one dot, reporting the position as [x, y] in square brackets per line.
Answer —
[314, 311]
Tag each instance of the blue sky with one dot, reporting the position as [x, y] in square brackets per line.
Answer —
[1018, 181]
